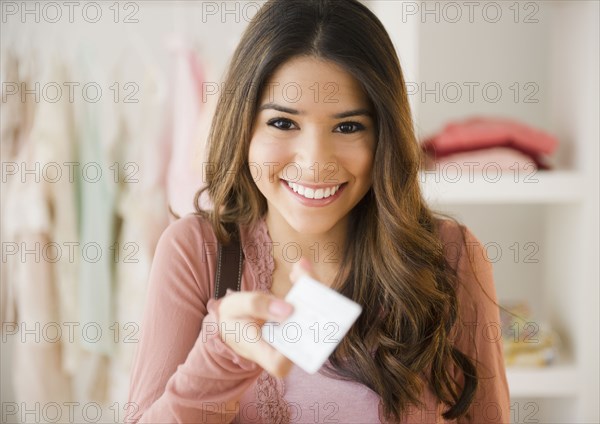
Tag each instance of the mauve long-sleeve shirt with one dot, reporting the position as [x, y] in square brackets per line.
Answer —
[184, 373]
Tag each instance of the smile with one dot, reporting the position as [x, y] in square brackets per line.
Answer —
[311, 193]
[314, 196]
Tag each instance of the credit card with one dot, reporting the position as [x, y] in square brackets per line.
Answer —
[320, 320]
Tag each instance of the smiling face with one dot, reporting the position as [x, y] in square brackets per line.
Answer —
[314, 128]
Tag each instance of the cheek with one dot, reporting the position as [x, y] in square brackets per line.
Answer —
[359, 162]
[256, 160]
[259, 153]
[264, 161]
[365, 160]
[253, 151]
[366, 169]
[266, 155]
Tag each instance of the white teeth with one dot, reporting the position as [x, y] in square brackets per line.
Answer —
[310, 193]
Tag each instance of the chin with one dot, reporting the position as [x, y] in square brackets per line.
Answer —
[309, 225]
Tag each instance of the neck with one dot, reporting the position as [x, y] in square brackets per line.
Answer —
[323, 250]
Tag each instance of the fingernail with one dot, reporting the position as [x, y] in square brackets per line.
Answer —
[279, 307]
[305, 264]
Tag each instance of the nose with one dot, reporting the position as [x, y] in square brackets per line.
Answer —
[316, 157]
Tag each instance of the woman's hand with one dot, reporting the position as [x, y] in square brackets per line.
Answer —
[242, 314]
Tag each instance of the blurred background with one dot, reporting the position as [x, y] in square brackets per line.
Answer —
[104, 115]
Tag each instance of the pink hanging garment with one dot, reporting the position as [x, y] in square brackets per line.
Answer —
[184, 177]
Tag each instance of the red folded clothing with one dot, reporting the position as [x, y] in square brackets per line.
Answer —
[498, 158]
[484, 132]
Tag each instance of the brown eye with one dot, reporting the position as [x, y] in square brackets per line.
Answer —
[281, 123]
[350, 127]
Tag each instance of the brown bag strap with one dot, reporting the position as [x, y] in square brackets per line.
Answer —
[229, 266]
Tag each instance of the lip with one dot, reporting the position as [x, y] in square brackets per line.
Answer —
[314, 202]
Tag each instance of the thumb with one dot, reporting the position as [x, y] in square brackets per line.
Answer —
[303, 266]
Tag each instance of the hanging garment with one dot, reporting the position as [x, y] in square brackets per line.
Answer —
[208, 105]
[99, 140]
[100, 135]
[16, 118]
[184, 176]
[141, 207]
[40, 218]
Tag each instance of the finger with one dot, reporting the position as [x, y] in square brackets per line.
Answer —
[269, 358]
[255, 304]
[253, 345]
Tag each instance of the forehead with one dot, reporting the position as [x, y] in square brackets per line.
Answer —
[313, 80]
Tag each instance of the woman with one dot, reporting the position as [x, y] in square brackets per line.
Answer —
[312, 147]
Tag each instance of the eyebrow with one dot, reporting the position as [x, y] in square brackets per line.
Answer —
[356, 112]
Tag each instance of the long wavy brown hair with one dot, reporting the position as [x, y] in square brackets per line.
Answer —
[396, 260]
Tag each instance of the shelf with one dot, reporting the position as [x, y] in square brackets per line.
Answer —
[540, 187]
[554, 381]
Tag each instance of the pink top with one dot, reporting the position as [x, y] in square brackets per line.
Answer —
[184, 373]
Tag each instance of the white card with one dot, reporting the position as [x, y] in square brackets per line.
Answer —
[321, 318]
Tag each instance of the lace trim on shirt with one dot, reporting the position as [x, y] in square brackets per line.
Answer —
[269, 390]
[271, 405]
[258, 252]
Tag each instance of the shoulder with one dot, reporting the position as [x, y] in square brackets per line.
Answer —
[185, 253]
[195, 234]
[190, 243]
[477, 330]
[466, 254]
[188, 234]
[460, 244]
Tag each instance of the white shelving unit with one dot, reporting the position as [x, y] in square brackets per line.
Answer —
[546, 187]
[549, 216]
[530, 382]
